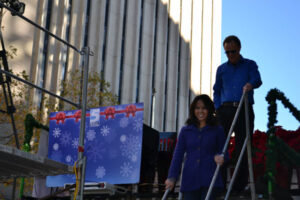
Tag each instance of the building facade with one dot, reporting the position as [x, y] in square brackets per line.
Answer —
[159, 52]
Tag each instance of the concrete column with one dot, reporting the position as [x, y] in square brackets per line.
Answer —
[216, 41]
[96, 33]
[40, 67]
[206, 48]
[129, 79]
[53, 76]
[185, 61]
[147, 58]
[160, 62]
[37, 35]
[76, 32]
[196, 47]
[114, 42]
[172, 73]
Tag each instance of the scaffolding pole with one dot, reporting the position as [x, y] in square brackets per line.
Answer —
[86, 53]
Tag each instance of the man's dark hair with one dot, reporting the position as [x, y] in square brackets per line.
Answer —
[232, 38]
[209, 105]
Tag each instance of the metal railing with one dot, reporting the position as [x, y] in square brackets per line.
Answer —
[247, 143]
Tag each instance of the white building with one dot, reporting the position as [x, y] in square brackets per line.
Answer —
[160, 52]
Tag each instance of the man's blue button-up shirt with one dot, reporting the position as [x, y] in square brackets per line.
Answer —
[231, 79]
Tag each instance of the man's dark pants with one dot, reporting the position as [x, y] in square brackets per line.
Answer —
[226, 114]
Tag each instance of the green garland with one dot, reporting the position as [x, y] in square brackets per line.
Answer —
[272, 96]
[31, 123]
[277, 149]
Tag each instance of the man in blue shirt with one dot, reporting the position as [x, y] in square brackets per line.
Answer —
[233, 77]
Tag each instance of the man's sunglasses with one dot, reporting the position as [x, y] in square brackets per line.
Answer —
[230, 52]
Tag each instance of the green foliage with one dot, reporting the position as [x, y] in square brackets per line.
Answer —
[30, 123]
[12, 52]
[272, 96]
[21, 103]
[71, 91]
[277, 149]
[98, 94]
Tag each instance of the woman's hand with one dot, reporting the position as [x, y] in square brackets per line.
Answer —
[219, 159]
[169, 184]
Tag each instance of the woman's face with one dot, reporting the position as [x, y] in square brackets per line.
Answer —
[201, 112]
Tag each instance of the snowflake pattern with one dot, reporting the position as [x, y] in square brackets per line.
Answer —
[135, 174]
[124, 122]
[134, 158]
[126, 169]
[100, 172]
[105, 130]
[131, 147]
[112, 149]
[90, 135]
[56, 132]
[65, 138]
[68, 159]
[138, 125]
[96, 152]
[75, 143]
[55, 147]
[123, 138]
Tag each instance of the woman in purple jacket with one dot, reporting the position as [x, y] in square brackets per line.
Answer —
[202, 140]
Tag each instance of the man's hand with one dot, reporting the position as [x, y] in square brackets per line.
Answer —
[169, 184]
[219, 159]
[247, 87]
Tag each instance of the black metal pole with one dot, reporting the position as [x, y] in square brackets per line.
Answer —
[10, 108]
[40, 88]
[86, 52]
[8, 97]
[81, 157]
[40, 27]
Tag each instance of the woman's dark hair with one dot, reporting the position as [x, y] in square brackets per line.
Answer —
[232, 38]
[209, 105]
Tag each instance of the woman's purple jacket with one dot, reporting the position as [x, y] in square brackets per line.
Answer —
[200, 146]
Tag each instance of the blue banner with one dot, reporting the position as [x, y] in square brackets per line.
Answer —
[113, 143]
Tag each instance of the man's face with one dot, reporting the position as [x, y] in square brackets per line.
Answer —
[233, 52]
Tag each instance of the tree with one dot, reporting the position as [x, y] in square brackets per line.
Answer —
[99, 94]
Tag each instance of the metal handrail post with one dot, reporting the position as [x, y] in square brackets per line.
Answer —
[247, 143]
[237, 167]
[180, 196]
[225, 146]
[81, 158]
[180, 193]
[249, 151]
[165, 194]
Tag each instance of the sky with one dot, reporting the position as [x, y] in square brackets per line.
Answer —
[269, 31]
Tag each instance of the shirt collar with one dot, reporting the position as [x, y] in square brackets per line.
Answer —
[240, 61]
